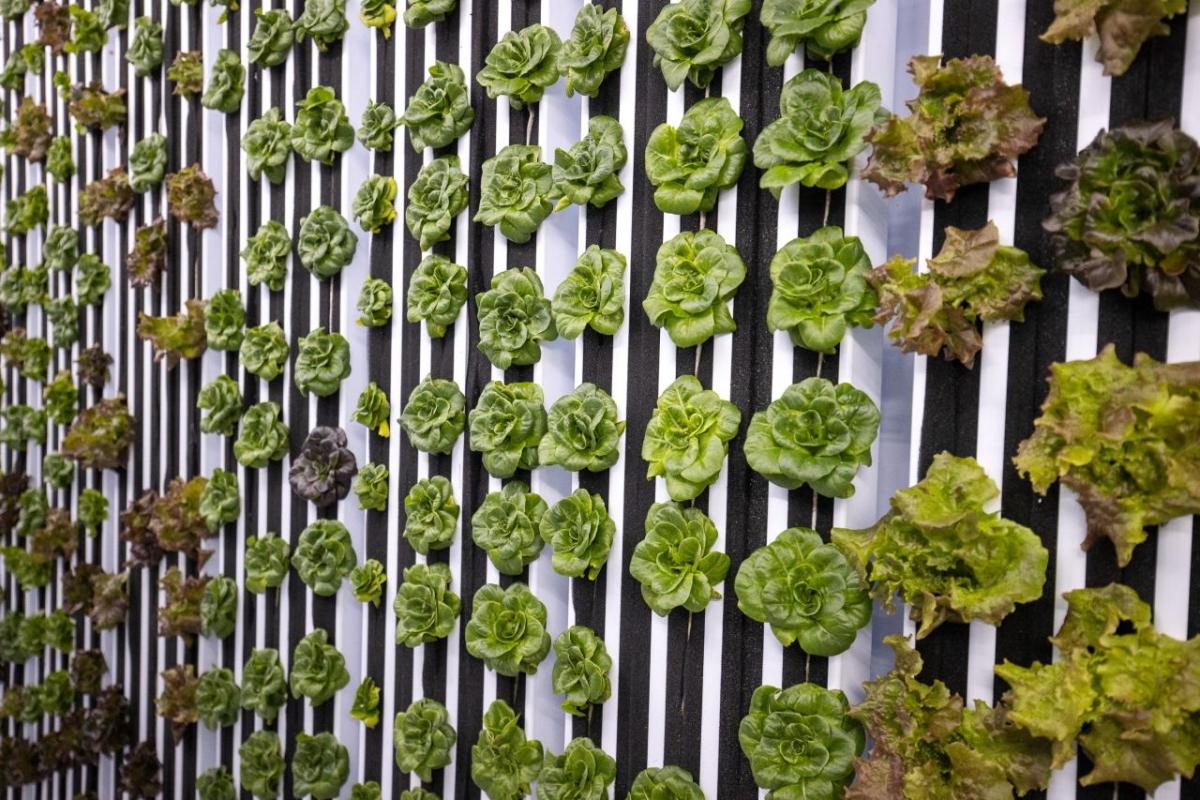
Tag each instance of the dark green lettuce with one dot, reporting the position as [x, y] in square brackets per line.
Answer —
[507, 424]
[322, 362]
[514, 318]
[224, 319]
[266, 561]
[588, 171]
[264, 436]
[267, 254]
[322, 130]
[503, 762]
[580, 532]
[515, 195]
[507, 629]
[437, 292]
[581, 772]
[318, 669]
[145, 49]
[376, 127]
[439, 112]
[522, 65]
[272, 38]
[435, 199]
[226, 83]
[324, 556]
[695, 275]
[435, 415]
[692, 39]
[262, 764]
[264, 688]
[582, 431]
[264, 351]
[506, 526]
[424, 738]
[218, 698]
[375, 203]
[268, 145]
[320, 766]
[324, 20]
[581, 666]
[426, 608]
[431, 515]
[675, 563]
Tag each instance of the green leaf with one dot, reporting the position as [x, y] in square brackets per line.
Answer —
[375, 203]
[187, 73]
[665, 783]
[218, 698]
[88, 32]
[515, 194]
[268, 146]
[324, 556]
[264, 351]
[507, 425]
[272, 38]
[592, 295]
[61, 248]
[174, 337]
[692, 39]
[426, 609]
[60, 398]
[378, 122]
[435, 199]
[264, 436]
[581, 669]
[422, 12]
[434, 415]
[224, 319]
[93, 510]
[507, 629]
[321, 763]
[264, 687]
[503, 762]
[582, 772]
[424, 738]
[366, 703]
[221, 500]
[226, 83]
[675, 562]
[691, 165]
[522, 65]
[588, 172]
[215, 783]
[324, 20]
[266, 561]
[1122, 27]
[267, 254]
[596, 48]
[367, 581]
[687, 438]
[582, 431]
[318, 669]
[506, 527]
[261, 759]
[439, 112]
[431, 515]
[322, 362]
[371, 487]
[437, 292]
[824, 27]
[817, 434]
[514, 318]
[92, 281]
[145, 51]
[695, 275]
[60, 164]
[326, 244]
[580, 532]
[218, 607]
[373, 410]
[322, 129]
[378, 14]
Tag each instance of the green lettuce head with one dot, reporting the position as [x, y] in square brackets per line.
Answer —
[595, 49]
[262, 764]
[582, 772]
[375, 203]
[321, 764]
[947, 557]
[514, 318]
[695, 275]
[819, 288]
[675, 563]
[588, 171]
[507, 630]
[506, 527]
[221, 500]
[367, 581]
[145, 51]
[322, 362]
[226, 84]
[522, 65]
[322, 129]
[426, 609]
[224, 319]
[371, 487]
[424, 738]
[264, 436]
[436, 198]
[516, 189]
[437, 292]
[264, 351]
[373, 409]
[1130, 218]
[218, 698]
[272, 38]
[592, 295]
[377, 125]
[431, 515]
[266, 561]
[324, 556]
[268, 145]
[807, 590]
[434, 416]
[264, 687]
[800, 741]
[318, 669]
[816, 434]
[215, 783]
[422, 12]
[820, 130]
[507, 425]
[665, 783]
[61, 248]
[582, 431]
[581, 669]
[366, 710]
[824, 27]
[687, 438]
[580, 532]
[93, 280]
[218, 607]
[326, 244]
[267, 254]
[439, 112]
[503, 762]
[692, 39]
[324, 20]
[691, 165]
[378, 14]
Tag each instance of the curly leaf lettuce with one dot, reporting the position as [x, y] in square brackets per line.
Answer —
[268, 146]
[507, 426]
[695, 274]
[439, 112]
[691, 165]
[320, 765]
[581, 669]
[322, 362]
[264, 686]
[580, 532]
[437, 292]
[267, 254]
[322, 130]
[506, 527]
[515, 194]
[582, 431]
[596, 48]
[431, 515]
[507, 629]
[426, 609]
[592, 295]
[692, 39]
[326, 244]
[582, 771]
[424, 738]
[503, 762]
[266, 561]
[264, 351]
[434, 416]
[588, 172]
[514, 318]
[675, 562]
[318, 669]
[324, 556]
[687, 438]
[262, 764]
[264, 436]
[435, 199]
[522, 65]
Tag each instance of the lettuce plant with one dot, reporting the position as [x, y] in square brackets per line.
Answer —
[581, 669]
[582, 431]
[522, 65]
[592, 295]
[695, 275]
[426, 608]
[687, 438]
[321, 764]
[824, 27]
[190, 195]
[588, 171]
[268, 146]
[595, 49]
[174, 337]
[264, 436]
[507, 629]
[692, 39]
[373, 409]
[93, 510]
[944, 554]
[264, 351]
[60, 399]
[820, 130]
[580, 532]
[187, 73]
[101, 435]
[88, 668]
[366, 705]
[675, 562]
[272, 38]
[60, 251]
[503, 762]
[371, 487]
[506, 527]
[375, 203]
[378, 14]
[109, 197]
[800, 741]
[110, 600]
[148, 258]
[817, 434]
[806, 590]
[665, 783]
[324, 20]
[322, 129]
[267, 254]
[95, 109]
[507, 425]
[60, 165]
[439, 112]
[177, 703]
[1119, 688]
[422, 12]
[1120, 438]
[92, 281]
[434, 415]
[54, 26]
[318, 669]
[424, 738]
[215, 783]
[692, 164]
[224, 319]
[581, 772]
[819, 289]
[264, 687]
[1129, 219]
[375, 129]
[324, 556]
[221, 500]
[141, 770]
[63, 316]
[262, 764]
[514, 318]
[326, 244]
[218, 698]
[367, 581]
[967, 126]
[266, 561]
[437, 292]
[435, 199]
[180, 613]
[972, 279]
[218, 607]
[322, 362]
[145, 51]
[431, 515]
[516, 192]
[1122, 27]
[226, 84]
[30, 133]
